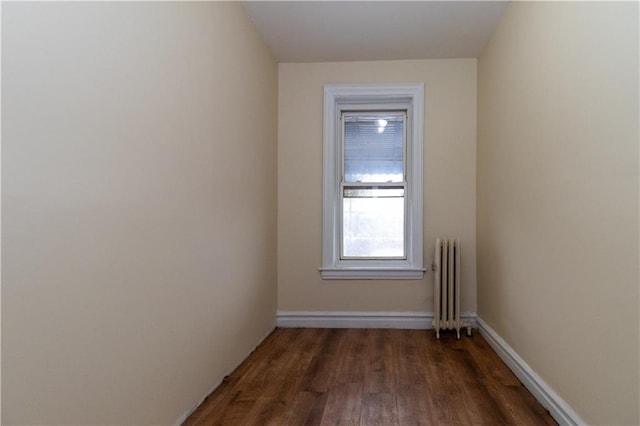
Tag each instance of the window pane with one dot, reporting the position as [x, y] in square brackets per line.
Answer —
[373, 226]
[373, 148]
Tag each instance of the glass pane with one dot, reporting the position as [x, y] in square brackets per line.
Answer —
[373, 226]
[373, 148]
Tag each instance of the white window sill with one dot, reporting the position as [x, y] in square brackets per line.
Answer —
[371, 273]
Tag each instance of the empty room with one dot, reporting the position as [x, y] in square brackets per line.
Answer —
[305, 212]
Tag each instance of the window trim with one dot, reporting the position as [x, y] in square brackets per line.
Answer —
[339, 97]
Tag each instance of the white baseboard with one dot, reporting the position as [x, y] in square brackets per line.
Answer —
[558, 408]
[189, 412]
[341, 319]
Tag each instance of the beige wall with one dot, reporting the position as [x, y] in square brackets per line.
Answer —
[558, 199]
[139, 207]
[449, 170]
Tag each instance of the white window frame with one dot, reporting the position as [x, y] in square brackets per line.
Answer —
[372, 97]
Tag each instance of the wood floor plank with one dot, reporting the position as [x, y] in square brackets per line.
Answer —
[412, 408]
[266, 411]
[344, 403]
[379, 409]
[370, 377]
[490, 364]
[306, 409]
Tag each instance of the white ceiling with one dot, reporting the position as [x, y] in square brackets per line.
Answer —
[326, 31]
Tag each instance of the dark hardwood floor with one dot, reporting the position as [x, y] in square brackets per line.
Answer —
[371, 377]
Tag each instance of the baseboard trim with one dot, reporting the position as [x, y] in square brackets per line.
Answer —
[558, 408]
[347, 319]
[192, 410]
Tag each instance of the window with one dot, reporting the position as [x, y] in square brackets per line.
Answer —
[372, 194]
[373, 184]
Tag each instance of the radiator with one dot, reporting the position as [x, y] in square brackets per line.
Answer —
[446, 294]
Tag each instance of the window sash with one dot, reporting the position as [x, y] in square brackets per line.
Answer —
[395, 190]
[391, 115]
[372, 185]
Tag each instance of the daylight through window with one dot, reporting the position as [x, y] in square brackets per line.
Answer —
[373, 185]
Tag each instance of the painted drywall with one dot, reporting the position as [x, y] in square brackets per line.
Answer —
[449, 182]
[558, 199]
[138, 207]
